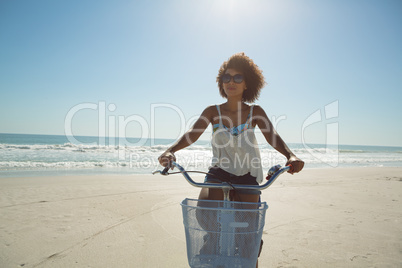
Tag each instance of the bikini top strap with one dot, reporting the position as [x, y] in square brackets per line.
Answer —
[251, 111]
[250, 116]
[219, 112]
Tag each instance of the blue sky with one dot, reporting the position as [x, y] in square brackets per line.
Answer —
[153, 64]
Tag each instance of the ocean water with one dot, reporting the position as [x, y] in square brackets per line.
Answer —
[38, 155]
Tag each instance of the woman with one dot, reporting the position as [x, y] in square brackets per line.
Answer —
[236, 157]
[235, 152]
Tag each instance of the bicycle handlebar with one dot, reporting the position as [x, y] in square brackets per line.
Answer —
[273, 174]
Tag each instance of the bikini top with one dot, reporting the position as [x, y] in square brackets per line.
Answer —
[238, 129]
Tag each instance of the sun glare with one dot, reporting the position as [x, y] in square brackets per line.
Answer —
[233, 10]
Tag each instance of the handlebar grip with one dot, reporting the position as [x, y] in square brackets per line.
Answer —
[290, 168]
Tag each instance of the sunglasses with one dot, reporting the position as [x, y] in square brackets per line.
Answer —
[237, 78]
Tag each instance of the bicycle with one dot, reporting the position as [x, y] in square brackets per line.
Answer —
[223, 233]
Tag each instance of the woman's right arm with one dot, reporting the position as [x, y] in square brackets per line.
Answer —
[189, 137]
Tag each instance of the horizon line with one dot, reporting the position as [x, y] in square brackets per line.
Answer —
[171, 139]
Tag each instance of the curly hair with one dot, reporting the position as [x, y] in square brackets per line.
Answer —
[252, 75]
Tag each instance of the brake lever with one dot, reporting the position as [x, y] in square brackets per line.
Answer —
[274, 169]
[163, 172]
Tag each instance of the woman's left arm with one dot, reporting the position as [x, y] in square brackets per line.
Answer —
[262, 121]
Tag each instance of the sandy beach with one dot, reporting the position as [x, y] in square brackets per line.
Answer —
[342, 217]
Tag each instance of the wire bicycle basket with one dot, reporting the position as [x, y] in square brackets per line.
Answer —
[223, 234]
